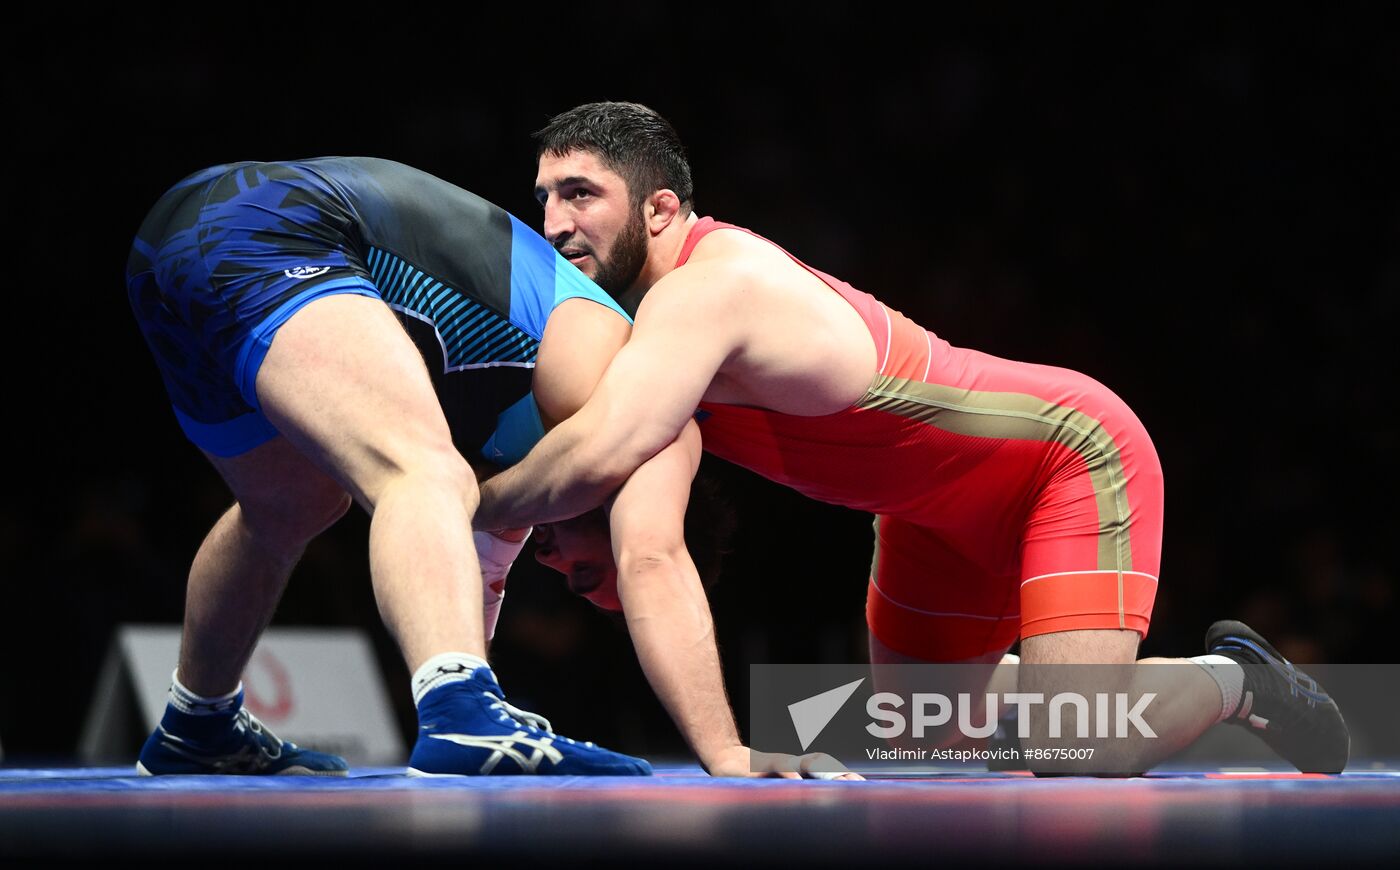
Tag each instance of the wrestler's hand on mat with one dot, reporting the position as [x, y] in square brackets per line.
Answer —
[742, 761]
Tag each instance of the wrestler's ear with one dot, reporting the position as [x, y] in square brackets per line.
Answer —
[661, 208]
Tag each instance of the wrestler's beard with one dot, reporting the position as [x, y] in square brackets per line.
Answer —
[619, 272]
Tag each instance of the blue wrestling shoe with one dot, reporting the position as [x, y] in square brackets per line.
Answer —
[466, 728]
[234, 742]
[1284, 706]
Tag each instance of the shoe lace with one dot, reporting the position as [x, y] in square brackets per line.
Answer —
[270, 744]
[534, 720]
[1298, 683]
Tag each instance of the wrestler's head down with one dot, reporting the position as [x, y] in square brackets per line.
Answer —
[599, 166]
[581, 548]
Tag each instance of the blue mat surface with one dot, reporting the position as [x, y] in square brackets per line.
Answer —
[687, 818]
[124, 779]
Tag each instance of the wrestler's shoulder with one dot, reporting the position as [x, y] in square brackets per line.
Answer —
[740, 260]
[707, 290]
[736, 246]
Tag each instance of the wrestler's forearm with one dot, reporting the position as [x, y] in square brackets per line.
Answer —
[559, 479]
[669, 620]
[667, 612]
[644, 402]
[579, 340]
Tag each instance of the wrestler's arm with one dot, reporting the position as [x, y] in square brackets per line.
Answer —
[667, 613]
[685, 330]
[668, 617]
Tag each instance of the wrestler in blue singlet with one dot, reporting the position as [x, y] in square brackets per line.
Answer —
[230, 253]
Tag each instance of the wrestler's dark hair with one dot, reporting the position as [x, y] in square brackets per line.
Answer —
[631, 140]
[709, 528]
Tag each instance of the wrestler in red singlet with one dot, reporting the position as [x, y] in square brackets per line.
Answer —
[1010, 498]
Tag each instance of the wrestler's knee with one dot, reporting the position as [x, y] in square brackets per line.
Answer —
[1081, 680]
[287, 520]
[435, 467]
[941, 704]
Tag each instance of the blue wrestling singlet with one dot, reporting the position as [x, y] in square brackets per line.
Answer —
[229, 254]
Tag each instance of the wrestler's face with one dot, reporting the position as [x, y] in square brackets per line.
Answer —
[581, 550]
[590, 219]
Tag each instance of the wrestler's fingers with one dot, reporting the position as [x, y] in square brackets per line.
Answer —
[819, 765]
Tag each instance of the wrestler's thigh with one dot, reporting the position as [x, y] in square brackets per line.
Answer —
[928, 601]
[939, 622]
[344, 383]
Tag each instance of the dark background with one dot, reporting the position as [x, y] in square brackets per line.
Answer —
[1198, 207]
